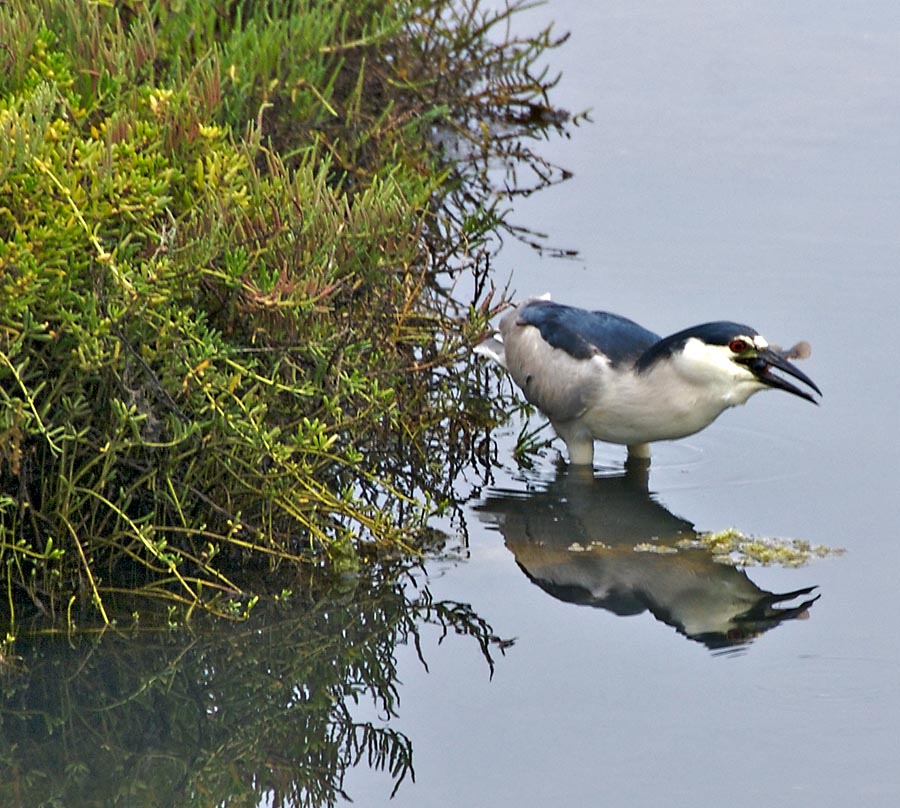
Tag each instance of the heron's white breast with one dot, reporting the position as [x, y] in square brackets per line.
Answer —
[674, 398]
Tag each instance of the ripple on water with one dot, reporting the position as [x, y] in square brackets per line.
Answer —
[730, 456]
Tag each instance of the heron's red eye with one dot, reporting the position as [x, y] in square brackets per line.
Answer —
[738, 346]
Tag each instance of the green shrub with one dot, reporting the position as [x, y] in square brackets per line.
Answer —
[225, 238]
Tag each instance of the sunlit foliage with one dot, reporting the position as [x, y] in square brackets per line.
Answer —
[228, 233]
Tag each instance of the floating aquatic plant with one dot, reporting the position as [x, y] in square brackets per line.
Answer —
[739, 550]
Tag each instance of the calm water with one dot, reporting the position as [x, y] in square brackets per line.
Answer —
[743, 163]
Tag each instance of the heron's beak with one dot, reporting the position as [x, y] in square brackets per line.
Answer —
[764, 361]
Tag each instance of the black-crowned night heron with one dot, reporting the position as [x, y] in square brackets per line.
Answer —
[599, 376]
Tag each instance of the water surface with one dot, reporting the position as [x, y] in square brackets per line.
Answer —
[743, 163]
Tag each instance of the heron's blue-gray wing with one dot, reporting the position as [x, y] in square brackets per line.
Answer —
[554, 360]
[582, 334]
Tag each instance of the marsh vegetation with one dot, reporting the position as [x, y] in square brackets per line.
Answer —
[231, 235]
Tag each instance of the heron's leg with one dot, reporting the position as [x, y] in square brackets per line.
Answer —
[579, 442]
[639, 451]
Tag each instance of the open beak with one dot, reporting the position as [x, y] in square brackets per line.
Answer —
[764, 361]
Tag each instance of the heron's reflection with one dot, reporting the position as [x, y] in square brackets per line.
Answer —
[576, 540]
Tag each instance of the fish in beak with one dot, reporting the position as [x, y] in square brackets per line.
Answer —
[764, 361]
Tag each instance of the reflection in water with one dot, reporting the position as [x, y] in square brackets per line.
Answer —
[229, 714]
[576, 540]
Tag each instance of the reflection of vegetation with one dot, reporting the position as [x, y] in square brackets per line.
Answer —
[225, 240]
[227, 716]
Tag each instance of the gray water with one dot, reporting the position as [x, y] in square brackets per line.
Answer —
[743, 163]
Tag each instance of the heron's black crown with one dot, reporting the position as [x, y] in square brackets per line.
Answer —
[721, 332]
